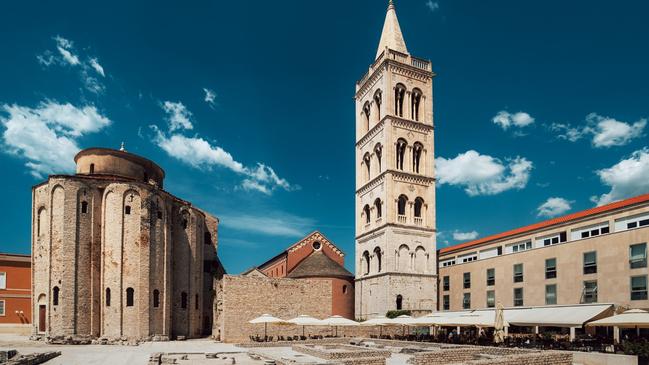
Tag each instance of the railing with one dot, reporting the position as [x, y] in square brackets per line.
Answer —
[420, 63]
[419, 221]
[401, 218]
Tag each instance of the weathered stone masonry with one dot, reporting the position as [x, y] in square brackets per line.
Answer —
[114, 255]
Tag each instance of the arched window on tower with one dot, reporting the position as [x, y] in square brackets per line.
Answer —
[399, 302]
[156, 298]
[366, 212]
[92, 168]
[366, 262]
[417, 150]
[415, 101]
[84, 207]
[367, 160]
[378, 151]
[401, 205]
[419, 203]
[377, 206]
[130, 294]
[399, 95]
[401, 152]
[377, 254]
[366, 113]
[55, 295]
[377, 105]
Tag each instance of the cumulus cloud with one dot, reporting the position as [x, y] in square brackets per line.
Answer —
[483, 174]
[210, 96]
[603, 131]
[46, 136]
[68, 56]
[275, 224]
[432, 5]
[553, 207]
[465, 236]
[200, 153]
[627, 178]
[177, 115]
[506, 119]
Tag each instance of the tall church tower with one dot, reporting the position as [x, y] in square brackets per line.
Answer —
[396, 265]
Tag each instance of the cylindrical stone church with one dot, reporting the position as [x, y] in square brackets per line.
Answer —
[116, 256]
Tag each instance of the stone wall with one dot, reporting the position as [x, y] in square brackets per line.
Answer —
[245, 298]
[491, 355]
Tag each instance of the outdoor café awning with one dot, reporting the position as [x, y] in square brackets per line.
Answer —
[547, 316]
[633, 318]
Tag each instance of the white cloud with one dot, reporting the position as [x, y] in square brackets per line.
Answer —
[605, 131]
[177, 115]
[67, 56]
[274, 224]
[199, 153]
[94, 63]
[554, 207]
[210, 96]
[46, 136]
[506, 119]
[483, 174]
[432, 5]
[465, 236]
[627, 178]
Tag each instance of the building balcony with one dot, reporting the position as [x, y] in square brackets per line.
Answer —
[402, 219]
[419, 221]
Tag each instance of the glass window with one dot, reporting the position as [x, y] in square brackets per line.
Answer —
[639, 287]
[550, 268]
[551, 294]
[2, 307]
[3, 280]
[446, 283]
[491, 277]
[467, 280]
[518, 273]
[491, 298]
[590, 262]
[446, 302]
[590, 292]
[466, 301]
[638, 255]
[518, 297]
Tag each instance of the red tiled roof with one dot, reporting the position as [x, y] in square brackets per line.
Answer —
[548, 223]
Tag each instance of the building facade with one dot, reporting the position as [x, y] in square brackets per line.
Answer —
[395, 185]
[114, 255]
[594, 256]
[15, 293]
[315, 258]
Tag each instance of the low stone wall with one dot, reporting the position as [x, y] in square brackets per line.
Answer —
[538, 358]
[491, 355]
[340, 352]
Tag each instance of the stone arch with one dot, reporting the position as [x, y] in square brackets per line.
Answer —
[367, 161]
[378, 258]
[365, 262]
[366, 213]
[399, 96]
[367, 110]
[402, 202]
[417, 161]
[419, 207]
[420, 259]
[377, 101]
[378, 207]
[415, 102]
[403, 258]
[41, 217]
[399, 302]
[378, 152]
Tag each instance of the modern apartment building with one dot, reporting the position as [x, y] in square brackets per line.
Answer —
[593, 256]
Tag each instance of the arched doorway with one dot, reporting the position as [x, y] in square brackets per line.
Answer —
[42, 313]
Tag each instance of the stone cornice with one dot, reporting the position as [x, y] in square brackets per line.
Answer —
[398, 175]
[395, 273]
[372, 132]
[411, 124]
[396, 225]
[404, 68]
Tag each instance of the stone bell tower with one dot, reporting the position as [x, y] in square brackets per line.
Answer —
[396, 266]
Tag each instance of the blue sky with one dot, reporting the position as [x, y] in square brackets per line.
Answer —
[540, 107]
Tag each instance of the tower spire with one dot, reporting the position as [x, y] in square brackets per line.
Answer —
[391, 37]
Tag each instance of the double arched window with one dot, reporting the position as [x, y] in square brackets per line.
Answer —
[378, 151]
[377, 206]
[401, 204]
[377, 104]
[401, 152]
[415, 101]
[366, 263]
[367, 161]
[377, 256]
[419, 203]
[366, 212]
[366, 114]
[399, 95]
[417, 150]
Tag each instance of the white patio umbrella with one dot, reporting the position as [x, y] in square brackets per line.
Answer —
[266, 319]
[378, 321]
[338, 321]
[304, 320]
[633, 318]
[499, 324]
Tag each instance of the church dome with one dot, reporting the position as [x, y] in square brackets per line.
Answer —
[110, 162]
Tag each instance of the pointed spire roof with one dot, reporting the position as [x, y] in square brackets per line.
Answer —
[391, 36]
